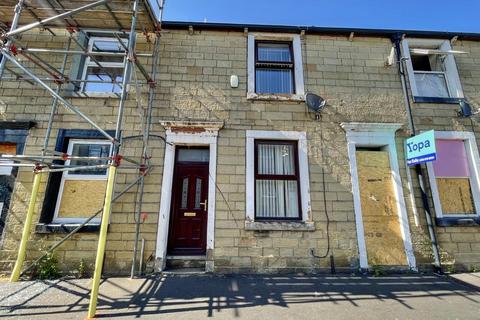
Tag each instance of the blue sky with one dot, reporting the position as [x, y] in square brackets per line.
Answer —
[438, 15]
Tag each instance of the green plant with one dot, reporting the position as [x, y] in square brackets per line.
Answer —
[450, 268]
[83, 269]
[378, 271]
[473, 268]
[48, 267]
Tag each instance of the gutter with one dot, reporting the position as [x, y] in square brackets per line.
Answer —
[418, 168]
[386, 33]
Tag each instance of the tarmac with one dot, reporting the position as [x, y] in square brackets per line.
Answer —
[207, 296]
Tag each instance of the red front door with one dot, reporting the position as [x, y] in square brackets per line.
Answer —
[188, 221]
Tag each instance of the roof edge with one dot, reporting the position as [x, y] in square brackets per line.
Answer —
[388, 33]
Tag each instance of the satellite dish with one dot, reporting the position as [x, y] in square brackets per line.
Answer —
[314, 102]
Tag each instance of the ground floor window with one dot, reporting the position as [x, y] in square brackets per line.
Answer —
[276, 180]
[277, 176]
[82, 191]
[454, 175]
[73, 196]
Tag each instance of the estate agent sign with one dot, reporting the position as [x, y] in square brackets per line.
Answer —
[421, 148]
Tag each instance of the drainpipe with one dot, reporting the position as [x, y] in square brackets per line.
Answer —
[418, 168]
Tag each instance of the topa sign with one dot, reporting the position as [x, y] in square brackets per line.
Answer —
[421, 148]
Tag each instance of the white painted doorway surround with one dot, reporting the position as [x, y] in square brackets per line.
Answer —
[186, 133]
[377, 135]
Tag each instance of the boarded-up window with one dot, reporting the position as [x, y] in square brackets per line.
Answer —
[452, 174]
[7, 148]
[82, 192]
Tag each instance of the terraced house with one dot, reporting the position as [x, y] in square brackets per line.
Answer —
[218, 160]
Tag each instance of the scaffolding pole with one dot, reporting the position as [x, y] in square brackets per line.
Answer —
[67, 104]
[57, 17]
[146, 137]
[45, 162]
[92, 308]
[16, 18]
[22, 250]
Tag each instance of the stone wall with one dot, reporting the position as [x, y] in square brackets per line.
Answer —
[194, 84]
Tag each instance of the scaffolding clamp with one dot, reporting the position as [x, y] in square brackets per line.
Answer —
[38, 168]
[71, 29]
[117, 160]
[13, 49]
[143, 170]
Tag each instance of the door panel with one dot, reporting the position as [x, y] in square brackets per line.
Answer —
[188, 223]
[381, 223]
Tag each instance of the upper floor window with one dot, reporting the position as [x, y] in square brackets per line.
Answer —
[275, 68]
[432, 70]
[103, 73]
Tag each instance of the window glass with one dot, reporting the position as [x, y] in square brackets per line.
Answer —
[198, 193]
[184, 193]
[193, 155]
[89, 150]
[431, 84]
[104, 79]
[104, 73]
[274, 68]
[274, 81]
[452, 174]
[274, 52]
[275, 159]
[112, 46]
[276, 182]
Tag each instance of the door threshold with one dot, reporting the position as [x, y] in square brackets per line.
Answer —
[186, 257]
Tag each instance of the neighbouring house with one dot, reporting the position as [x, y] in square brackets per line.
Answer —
[245, 177]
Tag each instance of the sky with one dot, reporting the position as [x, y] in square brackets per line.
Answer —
[433, 15]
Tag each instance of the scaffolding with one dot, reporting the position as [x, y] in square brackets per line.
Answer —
[126, 18]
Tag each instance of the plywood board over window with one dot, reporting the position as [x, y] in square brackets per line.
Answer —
[81, 198]
[453, 175]
[383, 236]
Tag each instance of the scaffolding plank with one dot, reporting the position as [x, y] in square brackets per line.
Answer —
[99, 17]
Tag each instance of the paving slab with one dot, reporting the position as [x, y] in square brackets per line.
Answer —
[471, 279]
[206, 296]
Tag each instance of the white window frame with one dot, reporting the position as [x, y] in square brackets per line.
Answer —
[90, 63]
[301, 137]
[299, 94]
[68, 176]
[474, 168]
[452, 78]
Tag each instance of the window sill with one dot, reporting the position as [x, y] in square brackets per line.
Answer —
[47, 228]
[276, 97]
[417, 99]
[279, 226]
[466, 221]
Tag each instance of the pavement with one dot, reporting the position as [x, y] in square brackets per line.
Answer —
[205, 296]
[471, 279]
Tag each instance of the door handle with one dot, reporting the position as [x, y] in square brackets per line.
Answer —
[204, 204]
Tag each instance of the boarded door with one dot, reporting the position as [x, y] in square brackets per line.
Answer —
[379, 211]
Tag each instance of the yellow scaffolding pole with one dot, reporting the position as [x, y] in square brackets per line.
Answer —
[92, 308]
[26, 229]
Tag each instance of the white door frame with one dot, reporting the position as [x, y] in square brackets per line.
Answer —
[377, 135]
[183, 133]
